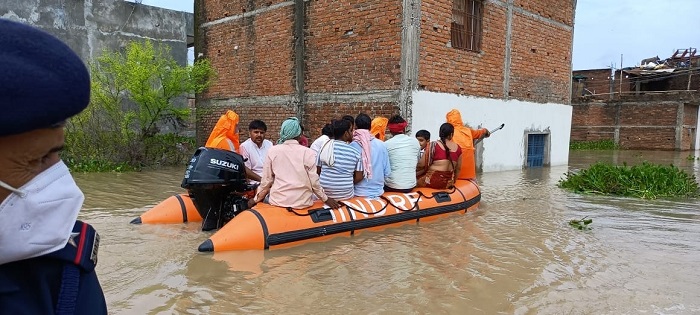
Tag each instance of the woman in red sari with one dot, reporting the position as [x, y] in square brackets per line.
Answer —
[441, 161]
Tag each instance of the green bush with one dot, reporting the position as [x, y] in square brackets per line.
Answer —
[593, 145]
[134, 96]
[648, 181]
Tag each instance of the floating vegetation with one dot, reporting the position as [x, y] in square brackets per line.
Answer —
[593, 145]
[581, 224]
[647, 181]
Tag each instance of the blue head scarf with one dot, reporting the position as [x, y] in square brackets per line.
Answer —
[290, 130]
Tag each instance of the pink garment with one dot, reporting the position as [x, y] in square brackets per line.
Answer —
[289, 174]
[363, 137]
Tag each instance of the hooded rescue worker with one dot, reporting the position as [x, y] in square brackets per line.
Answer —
[47, 258]
[225, 133]
[378, 127]
[464, 137]
[224, 136]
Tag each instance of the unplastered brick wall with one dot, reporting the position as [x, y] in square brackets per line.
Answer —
[541, 57]
[352, 45]
[446, 69]
[532, 62]
[317, 115]
[650, 124]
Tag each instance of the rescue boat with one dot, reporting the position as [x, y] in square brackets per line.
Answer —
[269, 227]
[217, 190]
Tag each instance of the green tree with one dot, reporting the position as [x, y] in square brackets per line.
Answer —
[133, 95]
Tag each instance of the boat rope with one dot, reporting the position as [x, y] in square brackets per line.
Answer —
[388, 202]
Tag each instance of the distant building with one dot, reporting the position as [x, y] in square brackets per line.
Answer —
[654, 106]
[496, 61]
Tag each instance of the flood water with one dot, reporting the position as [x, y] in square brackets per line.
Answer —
[516, 254]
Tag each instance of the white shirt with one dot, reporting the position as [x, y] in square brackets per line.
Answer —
[255, 155]
[318, 143]
[404, 152]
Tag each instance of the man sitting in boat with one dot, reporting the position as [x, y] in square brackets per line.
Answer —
[441, 161]
[375, 159]
[339, 164]
[289, 173]
[326, 135]
[225, 136]
[464, 137]
[255, 149]
[404, 152]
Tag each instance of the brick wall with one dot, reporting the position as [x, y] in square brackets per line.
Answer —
[539, 68]
[352, 45]
[645, 122]
[597, 81]
[446, 69]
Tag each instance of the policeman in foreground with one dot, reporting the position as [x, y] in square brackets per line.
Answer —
[47, 258]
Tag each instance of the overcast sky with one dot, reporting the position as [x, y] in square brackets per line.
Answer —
[604, 29]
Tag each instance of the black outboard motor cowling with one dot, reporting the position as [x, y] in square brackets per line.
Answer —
[215, 180]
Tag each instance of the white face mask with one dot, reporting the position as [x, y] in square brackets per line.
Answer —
[37, 218]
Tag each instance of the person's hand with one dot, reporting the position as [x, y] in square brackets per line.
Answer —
[251, 203]
[332, 203]
[488, 133]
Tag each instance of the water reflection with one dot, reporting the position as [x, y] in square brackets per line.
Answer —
[516, 254]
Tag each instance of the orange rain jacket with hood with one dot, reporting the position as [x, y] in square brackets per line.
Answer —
[464, 137]
[225, 133]
[378, 129]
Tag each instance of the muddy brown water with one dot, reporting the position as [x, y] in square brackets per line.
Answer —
[516, 254]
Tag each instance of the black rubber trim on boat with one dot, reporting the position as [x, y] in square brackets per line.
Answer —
[352, 232]
[183, 208]
[266, 234]
[293, 236]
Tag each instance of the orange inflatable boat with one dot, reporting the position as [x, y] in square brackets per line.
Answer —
[217, 188]
[268, 227]
[176, 209]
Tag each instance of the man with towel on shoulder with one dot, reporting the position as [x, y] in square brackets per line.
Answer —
[375, 159]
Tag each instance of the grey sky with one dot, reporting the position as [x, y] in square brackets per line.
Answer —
[605, 29]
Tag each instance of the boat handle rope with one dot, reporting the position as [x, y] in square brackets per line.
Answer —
[388, 202]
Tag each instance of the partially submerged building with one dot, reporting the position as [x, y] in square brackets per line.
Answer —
[496, 61]
[653, 106]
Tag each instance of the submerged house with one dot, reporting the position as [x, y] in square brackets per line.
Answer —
[496, 61]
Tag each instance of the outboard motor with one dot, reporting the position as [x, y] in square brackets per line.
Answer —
[216, 181]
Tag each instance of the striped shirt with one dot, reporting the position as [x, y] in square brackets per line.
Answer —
[337, 180]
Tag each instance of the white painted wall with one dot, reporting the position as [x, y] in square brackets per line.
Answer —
[504, 150]
[697, 133]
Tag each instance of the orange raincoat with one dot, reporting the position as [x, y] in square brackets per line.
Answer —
[225, 133]
[464, 137]
[378, 129]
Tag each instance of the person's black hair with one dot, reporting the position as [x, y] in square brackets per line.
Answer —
[363, 121]
[327, 130]
[257, 124]
[447, 130]
[340, 127]
[349, 119]
[425, 134]
[396, 119]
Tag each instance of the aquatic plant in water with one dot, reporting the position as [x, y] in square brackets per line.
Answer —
[647, 181]
[581, 224]
[593, 145]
